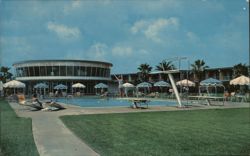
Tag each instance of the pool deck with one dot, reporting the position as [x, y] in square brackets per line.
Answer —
[53, 138]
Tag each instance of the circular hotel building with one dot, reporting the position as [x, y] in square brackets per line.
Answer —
[66, 72]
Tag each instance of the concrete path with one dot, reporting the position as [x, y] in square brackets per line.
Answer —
[51, 136]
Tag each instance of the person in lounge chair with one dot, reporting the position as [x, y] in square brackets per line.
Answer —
[34, 103]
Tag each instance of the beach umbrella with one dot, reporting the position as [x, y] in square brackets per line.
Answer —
[242, 80]
[161, 84]
[211, 82]
[127, 85]
[60, 86]
[143, 85]
[78, 85]
[41, 85]
[14, 84]
[101, 85]
[185, 83]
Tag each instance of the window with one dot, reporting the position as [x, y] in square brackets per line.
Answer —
[49, 71]
[62, 70]
[93, 71]
[31, 71]
[43, 71]
[88, 71]
[70, 70]
[56, 70]
[83, 71]
[36, 71]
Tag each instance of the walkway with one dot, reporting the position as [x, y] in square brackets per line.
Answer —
[51, 136]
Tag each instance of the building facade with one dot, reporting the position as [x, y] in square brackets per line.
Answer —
[66, 72]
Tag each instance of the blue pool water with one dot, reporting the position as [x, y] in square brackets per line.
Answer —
[111, 102]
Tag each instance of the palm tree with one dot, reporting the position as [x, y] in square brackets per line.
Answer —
[5, 74]
[144, 70]
[164, 65]
[198, 69]
[240, 69]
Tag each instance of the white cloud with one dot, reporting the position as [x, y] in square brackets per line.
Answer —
[152, 28]
[192, 37]
[72, 6]
[98, 51]
[122, 51]
[138, 26]
[63, 31]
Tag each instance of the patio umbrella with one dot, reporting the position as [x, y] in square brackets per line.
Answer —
[185, 83]
[161, 84]
[144, 85]
[60, 86]
[127, 86]
[78, 85]
[242, 80]
[211, 82]
[14, 84]
[101, 85]
[41, 86]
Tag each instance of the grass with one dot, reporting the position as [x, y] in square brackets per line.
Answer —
[197, 132]
[16, 138]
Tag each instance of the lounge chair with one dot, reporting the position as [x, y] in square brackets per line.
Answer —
[35, 103]
[53, 106]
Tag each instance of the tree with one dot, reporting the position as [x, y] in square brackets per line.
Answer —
[144, 70]
[240, 69]
[165, 66]
[198, 69]
[5, 74]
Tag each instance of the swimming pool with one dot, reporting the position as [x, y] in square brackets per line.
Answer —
[111, 102]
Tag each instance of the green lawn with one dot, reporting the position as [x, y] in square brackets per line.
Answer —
[198, 132]
[16, 138]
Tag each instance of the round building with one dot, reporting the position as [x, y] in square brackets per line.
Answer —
[66, 72]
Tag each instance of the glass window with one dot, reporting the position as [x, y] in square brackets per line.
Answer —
[31, 71]
[49, 71]
[76, 71]
[36, 71]
[83, 71]
[108, 73]
[93, 71]
[70, 70]
[43, 71]
[56, 70]
[88, 71]
[62, 71]
[98, 71]
[25, 71]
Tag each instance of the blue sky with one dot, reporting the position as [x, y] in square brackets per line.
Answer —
[125, 33]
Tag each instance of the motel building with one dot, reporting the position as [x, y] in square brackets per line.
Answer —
[90, 73]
